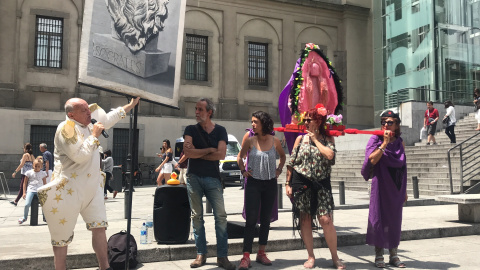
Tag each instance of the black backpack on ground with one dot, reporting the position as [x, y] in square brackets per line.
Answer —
[117, 245]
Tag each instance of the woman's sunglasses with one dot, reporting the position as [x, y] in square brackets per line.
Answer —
[307, 120]
[389, 123]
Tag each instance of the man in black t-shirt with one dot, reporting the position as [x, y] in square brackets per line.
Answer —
[205, 144]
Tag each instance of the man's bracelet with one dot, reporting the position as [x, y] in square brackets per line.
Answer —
[242, 171]
[287, 183]
[381, 149]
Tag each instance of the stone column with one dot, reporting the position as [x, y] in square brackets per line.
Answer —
[228, 92]
[289, 57]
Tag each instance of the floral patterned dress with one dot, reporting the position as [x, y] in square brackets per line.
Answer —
[311, 175]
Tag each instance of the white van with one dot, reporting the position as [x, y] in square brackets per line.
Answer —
[229, 171]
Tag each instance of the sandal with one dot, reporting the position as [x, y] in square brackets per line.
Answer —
[339, 265]
[309, 264]
[394, 260]
[379, 262]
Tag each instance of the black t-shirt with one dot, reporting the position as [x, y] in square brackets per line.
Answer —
[202, 167]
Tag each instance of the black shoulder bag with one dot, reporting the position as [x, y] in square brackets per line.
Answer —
[446, 120]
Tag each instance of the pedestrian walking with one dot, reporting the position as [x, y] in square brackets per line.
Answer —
[47, 161]
[182, 166]
[34, 179]
[476, 102]
[385, 163]
[308, 183]
[107, 163]
[165, 168]
[205, 145]
[430, 122]
[26, 164]
[450, 120]
[261, 185]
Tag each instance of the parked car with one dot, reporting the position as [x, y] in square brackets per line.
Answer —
[229, 171]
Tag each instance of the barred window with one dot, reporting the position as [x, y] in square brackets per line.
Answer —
[42, 134]
[257, 64]
[48, 42]
[196, 58]
[120, 145]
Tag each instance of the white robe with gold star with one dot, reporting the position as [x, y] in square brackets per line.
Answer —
[77, 182]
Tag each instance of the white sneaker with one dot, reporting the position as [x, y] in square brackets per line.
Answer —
[21, 220]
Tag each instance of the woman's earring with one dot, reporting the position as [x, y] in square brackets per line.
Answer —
[316, 130]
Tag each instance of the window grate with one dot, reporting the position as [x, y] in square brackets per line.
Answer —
[42, 134]
[48, 42]
[120, 146]
[196, 58]
[257, 64]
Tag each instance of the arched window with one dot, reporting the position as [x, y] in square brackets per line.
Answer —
[399, 69]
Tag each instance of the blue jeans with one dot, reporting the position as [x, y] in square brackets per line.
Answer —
[28, 203]
[198, 186]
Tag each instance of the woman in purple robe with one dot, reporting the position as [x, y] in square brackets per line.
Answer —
[385, 163]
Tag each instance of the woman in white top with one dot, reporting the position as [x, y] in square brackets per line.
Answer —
[476, 101]
[450, 129]
[165, 168]
[25, 165]
[108, 170]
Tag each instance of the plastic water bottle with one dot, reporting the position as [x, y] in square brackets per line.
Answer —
[149, 225]
[143, 234]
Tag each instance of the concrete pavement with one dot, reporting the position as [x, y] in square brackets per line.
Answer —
[28, 247]
[459, 252]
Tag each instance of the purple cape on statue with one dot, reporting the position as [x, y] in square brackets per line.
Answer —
[284, 111]
[389, 185]
[274, 216]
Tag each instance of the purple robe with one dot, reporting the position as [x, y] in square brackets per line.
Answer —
[389, 185]
[274, 215]
[284, 111]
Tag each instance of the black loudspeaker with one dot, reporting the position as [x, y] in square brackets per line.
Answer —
[171, 215]
[236, 229]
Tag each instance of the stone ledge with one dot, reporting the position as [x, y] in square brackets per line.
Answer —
[468, 206]
[460, 198]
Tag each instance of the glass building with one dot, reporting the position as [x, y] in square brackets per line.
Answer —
[426, 50]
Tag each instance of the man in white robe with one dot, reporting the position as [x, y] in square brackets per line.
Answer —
[77, 182]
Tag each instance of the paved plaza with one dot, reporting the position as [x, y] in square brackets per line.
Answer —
[28, 247]
[459, 252]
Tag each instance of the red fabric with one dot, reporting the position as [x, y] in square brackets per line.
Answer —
[262, 258]
[431, 114]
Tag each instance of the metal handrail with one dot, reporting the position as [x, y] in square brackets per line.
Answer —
[3, 182]
[462, 148]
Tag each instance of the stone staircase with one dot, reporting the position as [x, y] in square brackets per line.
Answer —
[428, 163]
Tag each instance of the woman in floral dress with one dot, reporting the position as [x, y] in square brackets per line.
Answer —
[308, 183]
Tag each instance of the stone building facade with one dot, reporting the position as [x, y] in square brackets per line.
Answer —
[32, 94]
